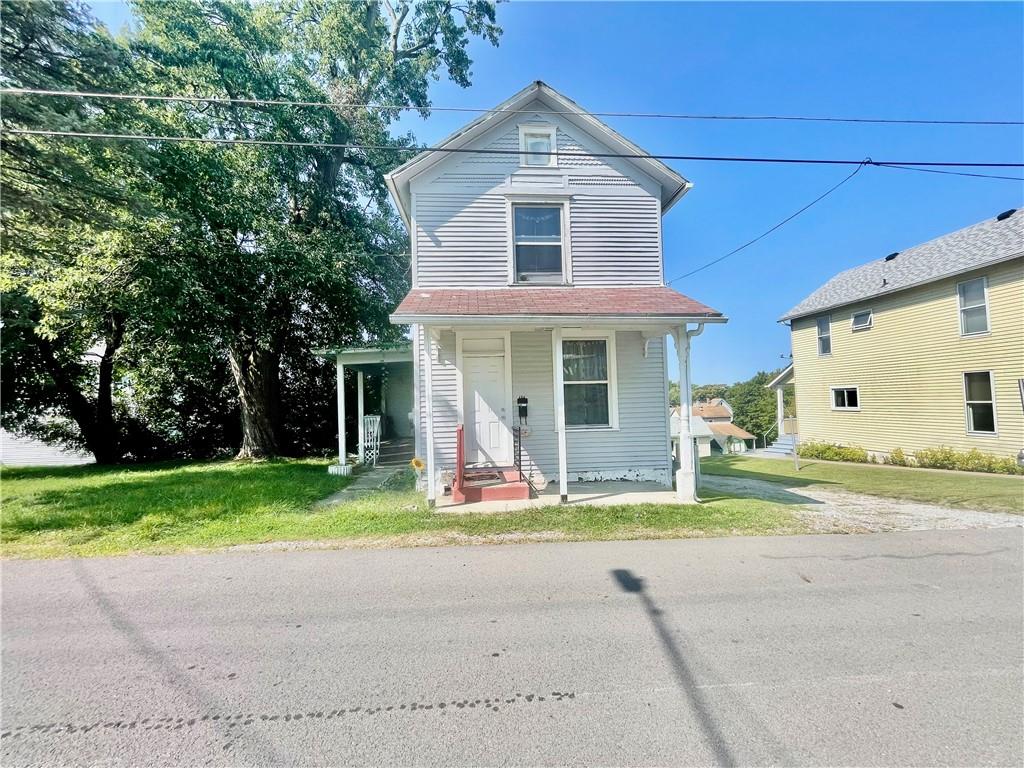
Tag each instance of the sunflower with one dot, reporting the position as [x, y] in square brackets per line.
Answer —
[417, 464]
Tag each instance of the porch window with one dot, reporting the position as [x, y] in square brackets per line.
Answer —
[973, 298]
[825, 335]
[981, 406]
[537, 234]
[587, 384]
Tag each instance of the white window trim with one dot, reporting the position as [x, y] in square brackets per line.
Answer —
[832, 397]
[552, 134]
[613, 386]
[871, 320]
[967, 410]
[513, 200]
[818, 336]
[961, 308]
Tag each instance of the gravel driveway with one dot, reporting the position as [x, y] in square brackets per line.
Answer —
[829, 510]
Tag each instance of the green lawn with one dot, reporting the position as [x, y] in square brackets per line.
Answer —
[994, 493]
[85, 511]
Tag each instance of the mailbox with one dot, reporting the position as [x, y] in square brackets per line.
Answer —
[522, 402]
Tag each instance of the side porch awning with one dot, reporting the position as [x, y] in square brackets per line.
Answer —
[396, 401]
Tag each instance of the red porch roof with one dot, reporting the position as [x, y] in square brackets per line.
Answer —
[640, 302]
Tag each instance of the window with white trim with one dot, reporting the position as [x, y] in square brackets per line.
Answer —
[979, 395]
[825, 335]
[537, 146]
[537, 242]
[862, 320]
[587, 382]
[973, 297]
[845, 399]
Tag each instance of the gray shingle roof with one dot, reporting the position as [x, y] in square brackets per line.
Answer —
[979, 245]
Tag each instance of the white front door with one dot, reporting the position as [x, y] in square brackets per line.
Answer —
[485, 399]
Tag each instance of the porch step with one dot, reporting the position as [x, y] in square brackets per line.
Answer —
[486, 475]
[509, 491]
[782, 447]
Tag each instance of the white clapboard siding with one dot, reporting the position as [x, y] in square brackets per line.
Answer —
[615, 240]
[638, 449]
[461, 223]
[27, 452]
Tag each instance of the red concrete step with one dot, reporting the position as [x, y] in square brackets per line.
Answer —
[509, 491]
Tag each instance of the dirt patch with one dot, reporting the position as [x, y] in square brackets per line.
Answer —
[828, 510]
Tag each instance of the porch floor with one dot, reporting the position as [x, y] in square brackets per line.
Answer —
[597, 494]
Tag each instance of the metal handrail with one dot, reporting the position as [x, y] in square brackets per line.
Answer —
[517, 443]
[764, 437]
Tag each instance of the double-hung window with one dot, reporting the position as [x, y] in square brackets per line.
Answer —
[973, 298]
[980, 400]
[825, 335]
[588, 382]
[537, 146]
[537, 241]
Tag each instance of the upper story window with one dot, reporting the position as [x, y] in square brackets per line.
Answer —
[537, 242]
[537, 146]
[862, 320]
[825, 335]
[973, 296]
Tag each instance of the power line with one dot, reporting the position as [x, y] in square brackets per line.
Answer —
[951, 173]
[865, 162]
[413, 107]
[506, 152]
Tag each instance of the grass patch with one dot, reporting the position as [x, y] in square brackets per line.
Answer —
[86, 511]
[993, 493]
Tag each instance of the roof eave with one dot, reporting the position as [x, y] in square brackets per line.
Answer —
[405, 318]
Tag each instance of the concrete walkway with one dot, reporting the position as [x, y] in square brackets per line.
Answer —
[834, 511]
[366, 481]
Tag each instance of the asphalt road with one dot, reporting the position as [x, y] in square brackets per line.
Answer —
[895, 649]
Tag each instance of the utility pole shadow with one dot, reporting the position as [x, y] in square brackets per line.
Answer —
[684, 675]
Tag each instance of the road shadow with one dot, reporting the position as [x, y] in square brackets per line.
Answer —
[684, 675]
[743, 487]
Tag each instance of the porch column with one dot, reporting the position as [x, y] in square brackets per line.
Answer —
[780, 412]
[360, 412]
[428, 394]
[686, 479]
[342, 467]
[556, 360]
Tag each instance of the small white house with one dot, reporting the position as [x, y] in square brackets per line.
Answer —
[539, 309]
[701, 431]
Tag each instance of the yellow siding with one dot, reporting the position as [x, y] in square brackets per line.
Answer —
[909, 369]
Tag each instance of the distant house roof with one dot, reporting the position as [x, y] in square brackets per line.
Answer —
[728, 429]
[979, 245]
[714, 409]
[423, 305]
[698, 427]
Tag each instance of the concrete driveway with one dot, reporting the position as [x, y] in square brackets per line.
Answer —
[889, 649]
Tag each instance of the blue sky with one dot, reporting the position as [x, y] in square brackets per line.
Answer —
[916, 60]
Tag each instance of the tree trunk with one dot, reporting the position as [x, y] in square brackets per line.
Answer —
[256, 373]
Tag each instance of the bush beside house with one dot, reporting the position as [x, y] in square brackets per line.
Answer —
[928, 458]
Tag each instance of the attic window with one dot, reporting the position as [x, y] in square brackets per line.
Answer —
[537, 146]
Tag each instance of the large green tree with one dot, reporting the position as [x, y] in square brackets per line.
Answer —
[181, 264]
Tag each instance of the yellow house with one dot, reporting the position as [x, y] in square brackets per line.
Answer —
[921, 349]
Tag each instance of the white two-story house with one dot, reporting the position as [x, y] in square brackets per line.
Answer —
[539, 313]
